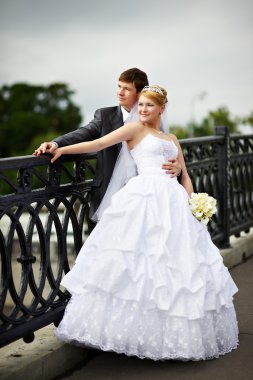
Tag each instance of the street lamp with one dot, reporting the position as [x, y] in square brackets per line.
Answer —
[195, 98]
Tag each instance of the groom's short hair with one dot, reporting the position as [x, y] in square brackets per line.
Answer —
[136, 76]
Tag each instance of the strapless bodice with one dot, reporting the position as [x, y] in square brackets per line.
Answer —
[151, 152]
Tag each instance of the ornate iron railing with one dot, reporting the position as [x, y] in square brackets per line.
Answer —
[241, 183]
[44, 221]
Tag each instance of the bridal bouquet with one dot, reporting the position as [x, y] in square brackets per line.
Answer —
[202, 206]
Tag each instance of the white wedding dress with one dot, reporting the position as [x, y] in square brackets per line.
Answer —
[149, 281]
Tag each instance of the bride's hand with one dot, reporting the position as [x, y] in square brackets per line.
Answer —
[56, 154]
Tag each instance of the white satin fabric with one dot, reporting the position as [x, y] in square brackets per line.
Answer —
[149, 281]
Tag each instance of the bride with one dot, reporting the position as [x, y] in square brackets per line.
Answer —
[149, 281]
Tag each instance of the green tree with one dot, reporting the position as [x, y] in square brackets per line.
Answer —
[219, 117]
[248, 119]
[31, 111]
[180, 131]
[205, 128]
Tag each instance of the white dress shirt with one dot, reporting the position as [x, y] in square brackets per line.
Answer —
[125, 114]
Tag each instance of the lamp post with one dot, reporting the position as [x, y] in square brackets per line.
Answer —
[199, 96]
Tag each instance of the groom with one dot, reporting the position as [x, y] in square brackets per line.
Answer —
[130, 83]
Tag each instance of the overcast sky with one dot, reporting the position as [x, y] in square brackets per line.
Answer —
[187, 46]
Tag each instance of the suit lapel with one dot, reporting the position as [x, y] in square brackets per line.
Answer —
[117, 122]
[117, 119]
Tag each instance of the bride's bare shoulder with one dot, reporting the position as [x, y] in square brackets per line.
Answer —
[137, 126]
[172, 137]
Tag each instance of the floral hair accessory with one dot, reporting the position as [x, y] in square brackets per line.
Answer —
[153, 89]
[202, 206]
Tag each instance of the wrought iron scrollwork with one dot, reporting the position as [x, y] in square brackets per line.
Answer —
[41, 231]
[24, 178]
[241, 179]
[202, 163]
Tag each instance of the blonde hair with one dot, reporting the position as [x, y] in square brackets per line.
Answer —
[156, 93]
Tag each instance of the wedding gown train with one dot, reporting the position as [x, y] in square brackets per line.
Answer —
[149, 281]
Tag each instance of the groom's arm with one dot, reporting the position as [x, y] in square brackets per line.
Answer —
[88, 132]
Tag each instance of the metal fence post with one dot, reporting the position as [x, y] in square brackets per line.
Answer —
[224, 185]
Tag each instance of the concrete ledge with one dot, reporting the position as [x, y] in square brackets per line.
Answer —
[241, 249]
[46, 357]
[43, 359]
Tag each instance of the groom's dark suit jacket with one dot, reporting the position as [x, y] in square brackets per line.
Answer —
[105, 121]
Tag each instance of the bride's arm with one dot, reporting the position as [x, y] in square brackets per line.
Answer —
[124, 133]
[185, 181]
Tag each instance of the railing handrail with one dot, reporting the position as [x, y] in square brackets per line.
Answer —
[30, 160]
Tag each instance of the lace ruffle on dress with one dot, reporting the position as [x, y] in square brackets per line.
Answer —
[149, 281]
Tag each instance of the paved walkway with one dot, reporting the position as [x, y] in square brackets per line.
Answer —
[237, 365]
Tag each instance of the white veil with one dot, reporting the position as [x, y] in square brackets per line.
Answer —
[125, 167]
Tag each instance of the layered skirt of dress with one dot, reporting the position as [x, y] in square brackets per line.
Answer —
[149, 281]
